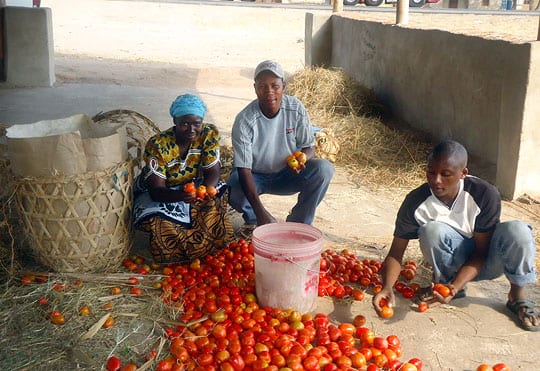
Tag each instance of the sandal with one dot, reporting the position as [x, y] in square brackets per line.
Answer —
[530, 311]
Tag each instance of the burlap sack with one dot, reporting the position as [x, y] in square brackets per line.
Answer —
[67, 146]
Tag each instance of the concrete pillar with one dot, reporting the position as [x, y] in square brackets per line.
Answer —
[515, 121]
[527, 176]
[29, 58]
[318, 40]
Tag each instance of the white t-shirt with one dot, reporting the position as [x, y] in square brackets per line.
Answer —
[261, 144]
[477, 208]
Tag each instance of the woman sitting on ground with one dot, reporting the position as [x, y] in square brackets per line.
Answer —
[183, 226]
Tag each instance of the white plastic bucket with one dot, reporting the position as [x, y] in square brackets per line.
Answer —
[287, 261]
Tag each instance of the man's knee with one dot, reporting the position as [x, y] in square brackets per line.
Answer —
[236, 194]
[516, 232]
[323, 168]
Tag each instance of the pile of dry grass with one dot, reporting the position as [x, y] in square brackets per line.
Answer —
[375, 154]
[29, 341]
[332, 91]
[9, 223]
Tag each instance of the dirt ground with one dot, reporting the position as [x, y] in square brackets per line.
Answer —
[140, 55]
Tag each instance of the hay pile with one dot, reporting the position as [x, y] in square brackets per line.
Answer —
[29, 341]
[374, 154]
[9, 223]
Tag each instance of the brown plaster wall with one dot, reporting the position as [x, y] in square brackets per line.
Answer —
[481, 92]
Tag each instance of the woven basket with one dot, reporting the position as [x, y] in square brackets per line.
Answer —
[82, 222]
[78, 223]
[139, 129]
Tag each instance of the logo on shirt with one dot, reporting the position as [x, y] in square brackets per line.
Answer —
[289, 130]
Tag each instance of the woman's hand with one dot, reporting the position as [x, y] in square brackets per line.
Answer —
[188, 197]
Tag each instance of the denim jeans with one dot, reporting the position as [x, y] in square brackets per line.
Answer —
[311, 184]
[511, 252]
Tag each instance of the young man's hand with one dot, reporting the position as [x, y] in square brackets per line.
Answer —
[387, 294]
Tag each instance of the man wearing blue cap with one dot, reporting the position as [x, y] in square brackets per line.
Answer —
[264, 133]
[182, 226]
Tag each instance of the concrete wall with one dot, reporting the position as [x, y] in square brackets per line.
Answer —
[477, 91]
[29, 47]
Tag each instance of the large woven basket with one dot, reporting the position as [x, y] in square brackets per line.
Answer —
[139, 129]
[83, 222]
[78, 223]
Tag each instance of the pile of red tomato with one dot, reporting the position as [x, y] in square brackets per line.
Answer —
[225, 329]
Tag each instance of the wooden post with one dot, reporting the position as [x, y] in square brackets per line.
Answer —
[337, 6]
[402, 12]
[538, 37]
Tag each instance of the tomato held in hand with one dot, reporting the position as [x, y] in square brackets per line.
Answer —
[201, 192]
[442, 289]
[189, 187]
[387, 312]
[211, 191]
[300, 157]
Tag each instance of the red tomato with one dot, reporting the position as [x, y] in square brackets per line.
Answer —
[358, 295]
[311, 363]
[408, 367]
[359, 320]
[443, 290]
[358, 360]
[407, 292]
[321, 320]
[164, 365]
[189, 187]
[393, 341]
[211, 191]
[408, 274]
[500, 367]
[114, 364]
[423, 306]
[237, 362]
[416, 362]
[380, 343]
[205, 359]
[368, 354]
[387, 312]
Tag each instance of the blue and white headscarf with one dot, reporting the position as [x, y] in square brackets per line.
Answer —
[187, 104]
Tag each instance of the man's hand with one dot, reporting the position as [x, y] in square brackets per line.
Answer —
[298, 169]
[438, 298]
[385, 293]
[265, 218]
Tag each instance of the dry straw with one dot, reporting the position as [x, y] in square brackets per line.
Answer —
[375, 154]
[29, 341]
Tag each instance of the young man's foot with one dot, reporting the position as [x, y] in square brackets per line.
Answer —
[526, 315]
